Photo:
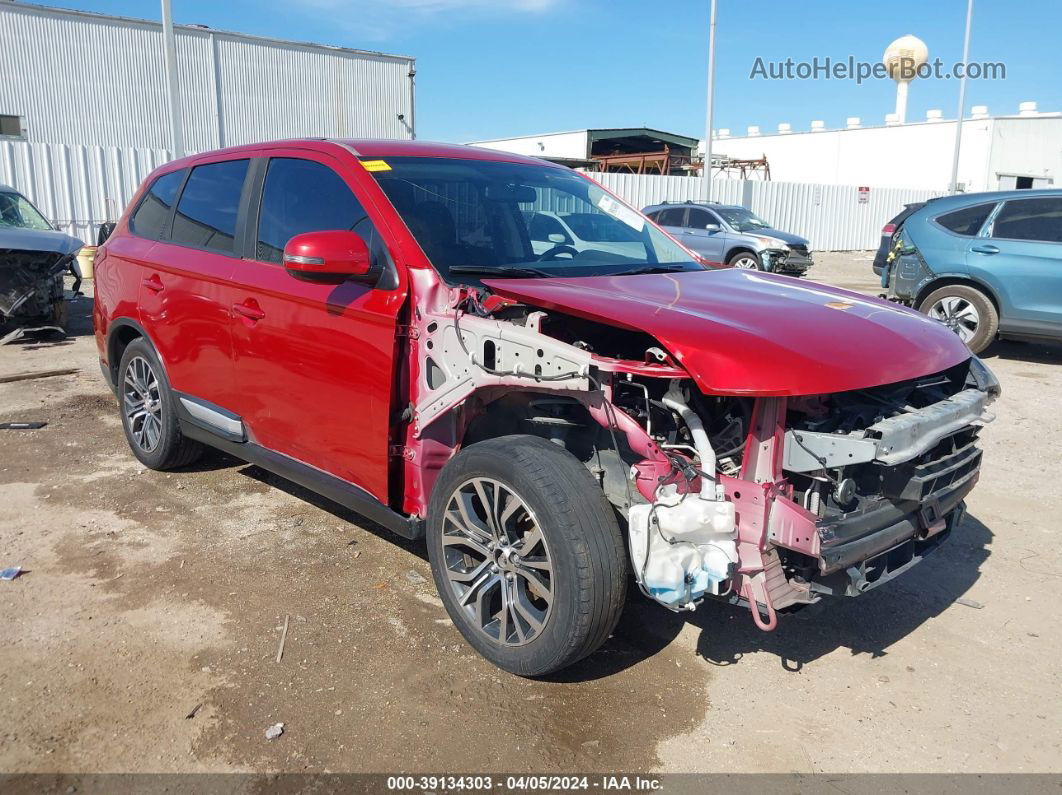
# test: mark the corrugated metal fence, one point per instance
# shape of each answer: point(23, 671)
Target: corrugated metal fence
point(80, 187)
point(77, 187)
point(830, 216)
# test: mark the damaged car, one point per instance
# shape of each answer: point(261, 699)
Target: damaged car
point(34, 258)
point(374, 321)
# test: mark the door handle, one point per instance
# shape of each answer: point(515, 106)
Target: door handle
point(249, 311)
point(985, 249)
point(154, 283)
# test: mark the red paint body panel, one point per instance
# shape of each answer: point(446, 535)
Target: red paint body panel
point(747, 333)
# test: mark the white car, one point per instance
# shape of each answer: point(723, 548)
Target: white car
point(582, 232)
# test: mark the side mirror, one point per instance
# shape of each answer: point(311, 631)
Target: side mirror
point(331, 257)
point(104, 232)
point(711, 227)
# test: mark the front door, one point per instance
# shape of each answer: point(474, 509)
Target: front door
point(314, 362)
point(706, 235)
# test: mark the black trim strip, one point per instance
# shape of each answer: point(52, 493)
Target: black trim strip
point(339, 491)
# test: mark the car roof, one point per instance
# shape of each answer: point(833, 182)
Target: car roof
point(706, 205)
point(957, 201)
point(373, 147)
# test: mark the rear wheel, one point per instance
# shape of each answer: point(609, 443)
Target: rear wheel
point(526, 554)
point(965, 310)
point(745, 261)
point(148, 412)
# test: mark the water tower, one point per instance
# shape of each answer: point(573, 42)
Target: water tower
point(903, 58)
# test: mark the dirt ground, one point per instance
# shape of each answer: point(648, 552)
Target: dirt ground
point(143, 633)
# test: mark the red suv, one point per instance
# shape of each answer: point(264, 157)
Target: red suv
point(387, 324)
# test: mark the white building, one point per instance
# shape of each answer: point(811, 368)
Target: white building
point(84, 113)
point(997, 152)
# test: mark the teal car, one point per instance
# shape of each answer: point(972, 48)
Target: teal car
point(987, 265)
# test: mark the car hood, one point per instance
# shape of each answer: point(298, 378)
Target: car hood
point(28, 258)
point(45, 240)
point(748, 333)
point(785, 237)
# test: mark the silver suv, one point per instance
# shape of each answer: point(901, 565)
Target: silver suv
point(732, 235)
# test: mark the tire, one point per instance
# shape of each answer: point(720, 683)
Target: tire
point(152, 430)
point(578, 556)
point(965, 310)
point(745, 261)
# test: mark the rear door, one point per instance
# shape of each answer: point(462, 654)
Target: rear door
point(184, 301)
point(315, 362)
point(1022, 254)
point(673, 219)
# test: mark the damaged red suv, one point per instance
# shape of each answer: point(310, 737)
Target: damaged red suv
point(405, 329)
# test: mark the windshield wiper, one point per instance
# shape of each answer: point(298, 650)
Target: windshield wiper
point(496, 270)
point(658, 268)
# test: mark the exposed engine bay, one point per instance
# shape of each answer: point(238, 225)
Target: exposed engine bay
point(770, 501)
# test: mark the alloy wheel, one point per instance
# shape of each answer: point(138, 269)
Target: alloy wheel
point(745, 262)
point(497, 562)
point(142, 404)
point(958, 314)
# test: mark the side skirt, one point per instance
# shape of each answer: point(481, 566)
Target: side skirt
point(335, 489)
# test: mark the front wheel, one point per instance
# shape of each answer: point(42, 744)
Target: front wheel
point(966, 311)
point(526, 554)
point(745, 261)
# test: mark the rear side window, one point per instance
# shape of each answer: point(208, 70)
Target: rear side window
point(304, 196)
point(967, 221)
point(152, 217)
point(1030, 219)
point(209, 204)
point(674, 216)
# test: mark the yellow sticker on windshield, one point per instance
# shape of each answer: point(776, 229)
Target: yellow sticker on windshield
point(376, 165)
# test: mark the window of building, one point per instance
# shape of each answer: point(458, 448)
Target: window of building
point(1030, 219)
point(152, 217)
point(12, 127)
point(209, 205)
point(967, 221)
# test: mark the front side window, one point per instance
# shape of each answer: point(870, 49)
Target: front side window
point(209, 205)
point(542, 226)
point(967, 221)
point(471, 217)
point(699, 219)
point(1030, 219)
point(305, 196)
point(152, 217)
point(742, 220)
point(16, 211)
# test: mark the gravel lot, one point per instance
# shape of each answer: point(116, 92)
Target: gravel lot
point(143, 635)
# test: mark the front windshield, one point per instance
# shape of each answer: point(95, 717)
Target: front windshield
point(741, 219)
point(15, 210)
point(480, 218)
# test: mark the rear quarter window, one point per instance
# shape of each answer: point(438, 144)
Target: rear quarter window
point(966, 222)
point(152, 217)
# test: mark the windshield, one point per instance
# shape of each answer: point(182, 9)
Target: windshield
point(15, 210)
point(741, 219)
point(480, 217)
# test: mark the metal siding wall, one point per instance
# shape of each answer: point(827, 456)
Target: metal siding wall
point(830, 216)
point(91, 80)
point(77, 187)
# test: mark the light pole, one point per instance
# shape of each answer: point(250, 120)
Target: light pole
point(954, 187)
point(172, 87)
point(708, 118)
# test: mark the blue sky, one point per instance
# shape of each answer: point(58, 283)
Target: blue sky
point(492, 68)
